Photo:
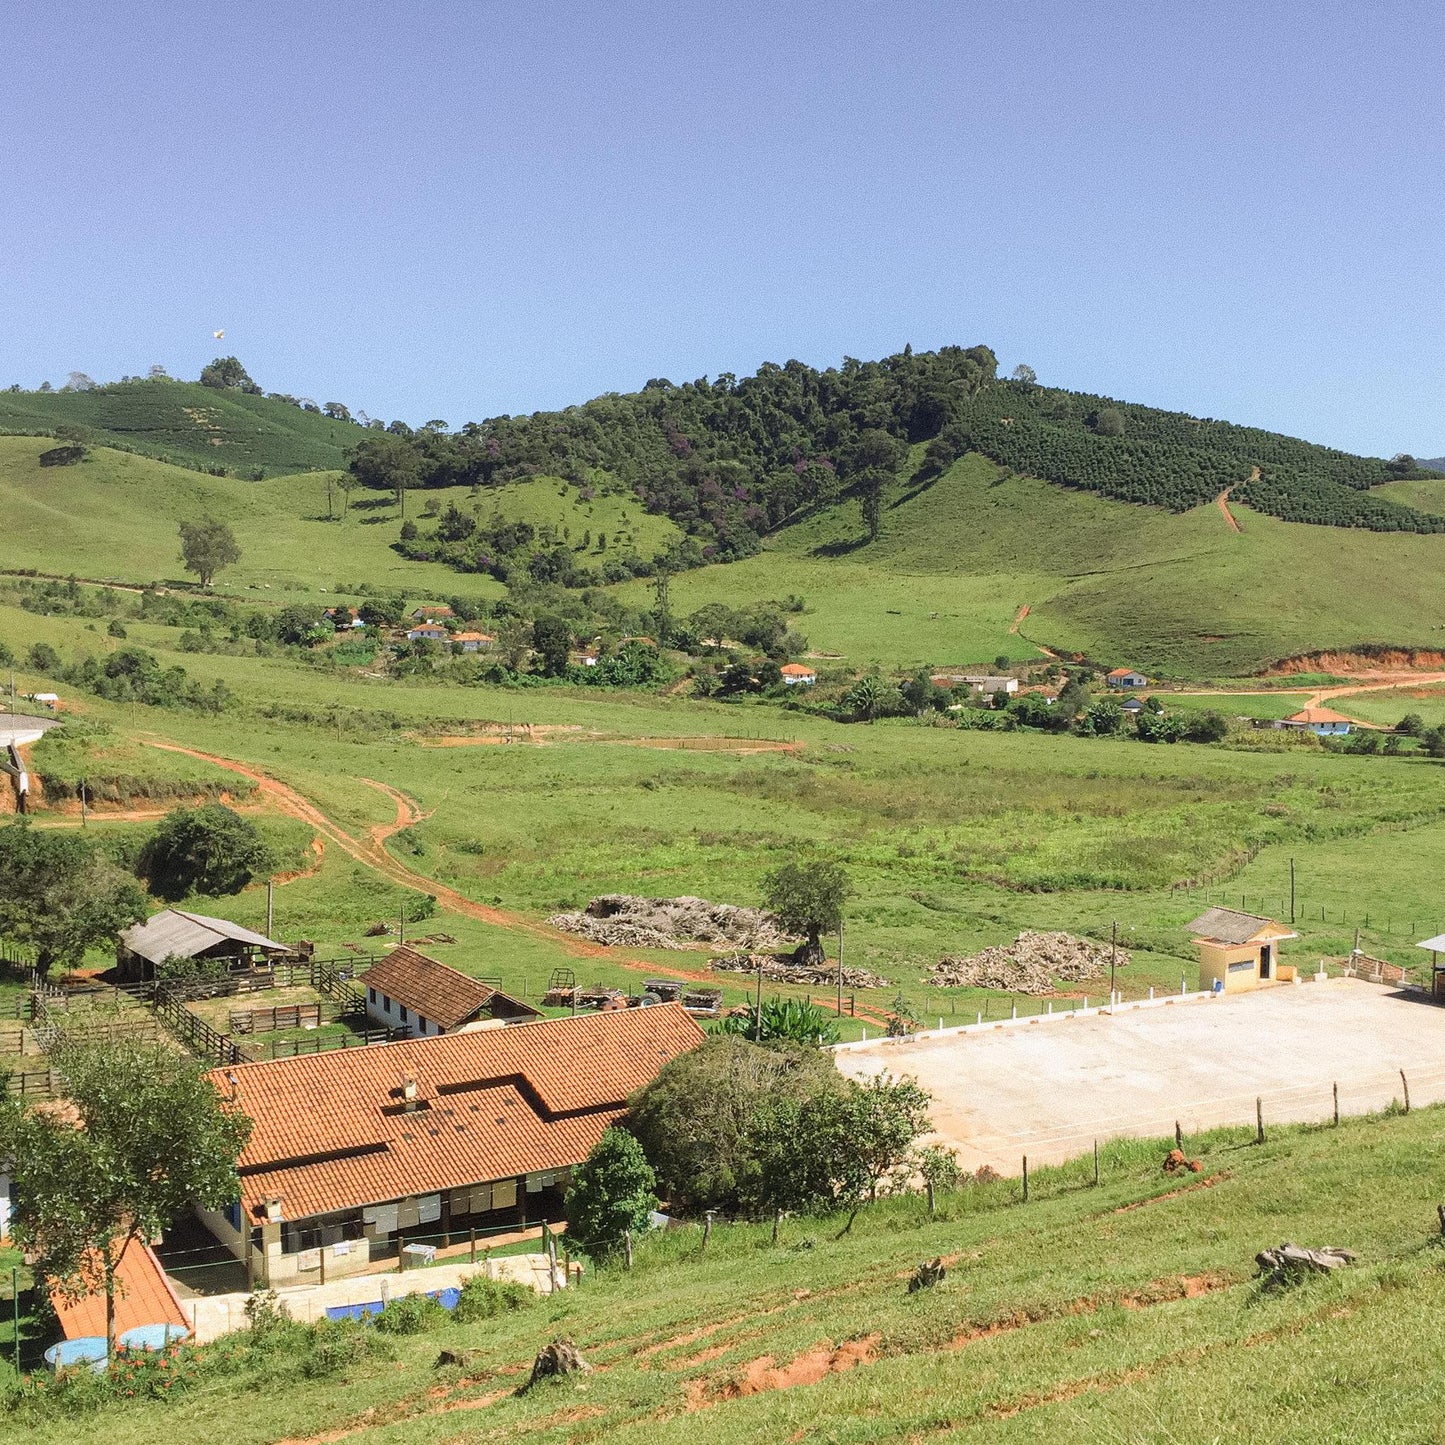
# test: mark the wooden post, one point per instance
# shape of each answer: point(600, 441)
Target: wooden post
point(1337, 1106)
point(1258, 1120)
point(472, 1243)
point(1096, 1163)
point(1026, 1178)
point(1178, 1137)
point(777, 1224)
point(627, 1249)
point(707, 1226)
point(1405, 1084)
point(1440, 1210)
point(321, 1254)
point(929, 1184)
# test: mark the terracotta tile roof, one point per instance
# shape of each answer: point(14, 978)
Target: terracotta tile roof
point(330, 1131)
point(441, 994)
point(144, 1297)
point(1317, 715)
point(1125, 672)
point(473, 637)
point(796, 669)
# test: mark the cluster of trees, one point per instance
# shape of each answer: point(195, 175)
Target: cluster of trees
point(726, 459)
point(749, 1130)
point(132, 674)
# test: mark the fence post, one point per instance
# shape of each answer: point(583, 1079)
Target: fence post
point(1440, 1210)
point(1405, 1084)
point(1178, 1137)
point(777, 1224)
point(1258, 1119)
point(1337, 1105)
point(707, 1226)
point(627, 1249)
point(1096, 1163)
point(1026, 1178)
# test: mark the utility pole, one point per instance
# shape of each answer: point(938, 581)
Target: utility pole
point(840, 965)
point(83, 808)
point(758, 1019)
point(270, 907)
point(1113, 957)
point(1291, 890)
point(401, 928)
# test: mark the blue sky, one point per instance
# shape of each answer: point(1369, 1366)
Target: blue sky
point(455, 210)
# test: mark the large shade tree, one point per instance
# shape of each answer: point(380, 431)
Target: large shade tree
point(206, 547)
point(210, 849)
point(807, 899)
point(153, 1138)
point(60, 895)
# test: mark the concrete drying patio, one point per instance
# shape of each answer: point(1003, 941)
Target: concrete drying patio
point(1049, 1088)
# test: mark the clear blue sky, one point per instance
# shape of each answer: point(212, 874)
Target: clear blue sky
point(459, 209)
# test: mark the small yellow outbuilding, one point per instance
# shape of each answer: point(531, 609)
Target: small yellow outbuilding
point(1239, 951)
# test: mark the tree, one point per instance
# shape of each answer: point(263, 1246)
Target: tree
point(870, 500)
point(1025, 373)
point(209, 849)
point(386, 463)
point(865, 698)
point(155, 1139)
point(1109, 422)
point(611, 1195)
point(337, 411)
point(695, 1119)
point(226, 373)
point(551, 637)
point(60, 895)
point(807, 899)
point(1433, 741)
point(382, 611)
point(78, 381)
point(206, 547)
point(1412, 725)
point(43, 658)
point(1102, 718)
point(1207, 727)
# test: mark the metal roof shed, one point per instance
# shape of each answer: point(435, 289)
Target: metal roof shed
point(172, 933)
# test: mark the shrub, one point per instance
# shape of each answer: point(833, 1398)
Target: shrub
point(412, 1314)
point(338, 1344)
point(481, 1298)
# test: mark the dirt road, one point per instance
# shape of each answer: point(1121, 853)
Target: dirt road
point(1222, 502)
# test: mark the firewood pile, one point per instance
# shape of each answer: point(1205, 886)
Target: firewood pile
point(782, 970)
point(623, 920)
point(1030, 964)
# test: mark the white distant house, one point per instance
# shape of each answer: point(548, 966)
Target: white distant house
point(987, 685)
point(796, 675)
point(45, 699)
point(1320, 721)
point(1126, 677)
point(427, 632)
point(473, 641)
point(1132, 706)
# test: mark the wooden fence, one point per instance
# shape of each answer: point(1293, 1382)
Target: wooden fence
point(323, 1043)
point(33, 1084)
point(267, 1020)
point(195, 1033)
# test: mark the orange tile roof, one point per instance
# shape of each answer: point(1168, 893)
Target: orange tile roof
point(796, 669)
point(473, 637)
point(1317, 715)
point(330, 1132)
point(1125, 672)
point(144, 1297)
point(444, 995)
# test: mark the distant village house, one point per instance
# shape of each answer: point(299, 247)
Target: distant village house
point(1320, 721)
point(1239, 951)
point(427, 632)
point(796, 675)
point(473, 641)
point(1126, 677)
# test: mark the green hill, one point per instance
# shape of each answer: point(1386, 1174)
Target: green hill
point(1124, 1312)
point(188, 424)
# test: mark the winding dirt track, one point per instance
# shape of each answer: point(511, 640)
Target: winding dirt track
point(372, 854)
point(1222, 502)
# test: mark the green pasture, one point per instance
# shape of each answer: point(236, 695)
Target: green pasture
point(1126, 1311)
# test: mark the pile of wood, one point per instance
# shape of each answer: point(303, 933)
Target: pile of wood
point(620, 919)
point(783, 970)
point(1030, 964)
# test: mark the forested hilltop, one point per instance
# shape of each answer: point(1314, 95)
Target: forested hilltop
point(731, 459)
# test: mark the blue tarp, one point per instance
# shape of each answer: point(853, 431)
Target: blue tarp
point(447, 1298)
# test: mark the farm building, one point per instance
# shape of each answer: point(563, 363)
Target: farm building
point(408, 990)
point(1126, 677)
point(1132, 706)
point(174, 934)
point(430, 612)
point(1321, 721)
point(342, 618)
point(427, 632)
point(354, 1152)
point(473, 641)
point(796, 675)
point(1239, 951)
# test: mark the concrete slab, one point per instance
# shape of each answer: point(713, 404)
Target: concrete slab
point(1048, 1089)
point(21, 730)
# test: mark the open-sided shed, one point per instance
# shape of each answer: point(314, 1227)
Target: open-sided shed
point(173, 933)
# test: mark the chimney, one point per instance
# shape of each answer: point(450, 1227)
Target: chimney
point(408, 1091)
point(271, 1206)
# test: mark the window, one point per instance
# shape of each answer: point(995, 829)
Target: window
point(403, 1013)
point(421, 1023)
point(371, 995)
point(385, 1003)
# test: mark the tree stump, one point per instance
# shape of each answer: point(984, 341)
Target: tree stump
point(929, 1273)
point(561, 1357)
point(1289, 1263)
point(463, 1359)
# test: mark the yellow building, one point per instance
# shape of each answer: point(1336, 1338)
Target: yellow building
point(1239, 951)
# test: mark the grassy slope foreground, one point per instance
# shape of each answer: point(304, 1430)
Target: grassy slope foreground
point(1123, 1313)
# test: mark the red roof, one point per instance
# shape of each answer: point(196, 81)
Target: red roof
point(1125, 672)
point(1317, 715)
point(444, 995)
point(144, 1296)
point(796, 669)
point(332, 1130)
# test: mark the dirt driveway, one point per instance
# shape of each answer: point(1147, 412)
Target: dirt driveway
point(1049, 1089)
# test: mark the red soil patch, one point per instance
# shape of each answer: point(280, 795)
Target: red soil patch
point(1174, 1193)
point(762, 1375)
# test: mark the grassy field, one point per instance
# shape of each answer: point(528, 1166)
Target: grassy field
point(1123, 1312)
point(1177, 595)
point(193, 425)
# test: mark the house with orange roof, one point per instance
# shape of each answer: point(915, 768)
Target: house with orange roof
point(355, 1152)
point(1126, 677)
point(1323, 722)
point(422, 614)
point(796, 675)
point(144, 1297)
point(473, 641)
point(407, 990)
point(427, 632)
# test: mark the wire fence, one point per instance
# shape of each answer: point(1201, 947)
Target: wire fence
point(1401, 923)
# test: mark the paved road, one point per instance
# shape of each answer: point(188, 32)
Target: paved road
point(1049, 1089)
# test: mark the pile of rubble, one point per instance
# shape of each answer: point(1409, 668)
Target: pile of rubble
point(620, 919)
point(782, 970)
point(1030, 964)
